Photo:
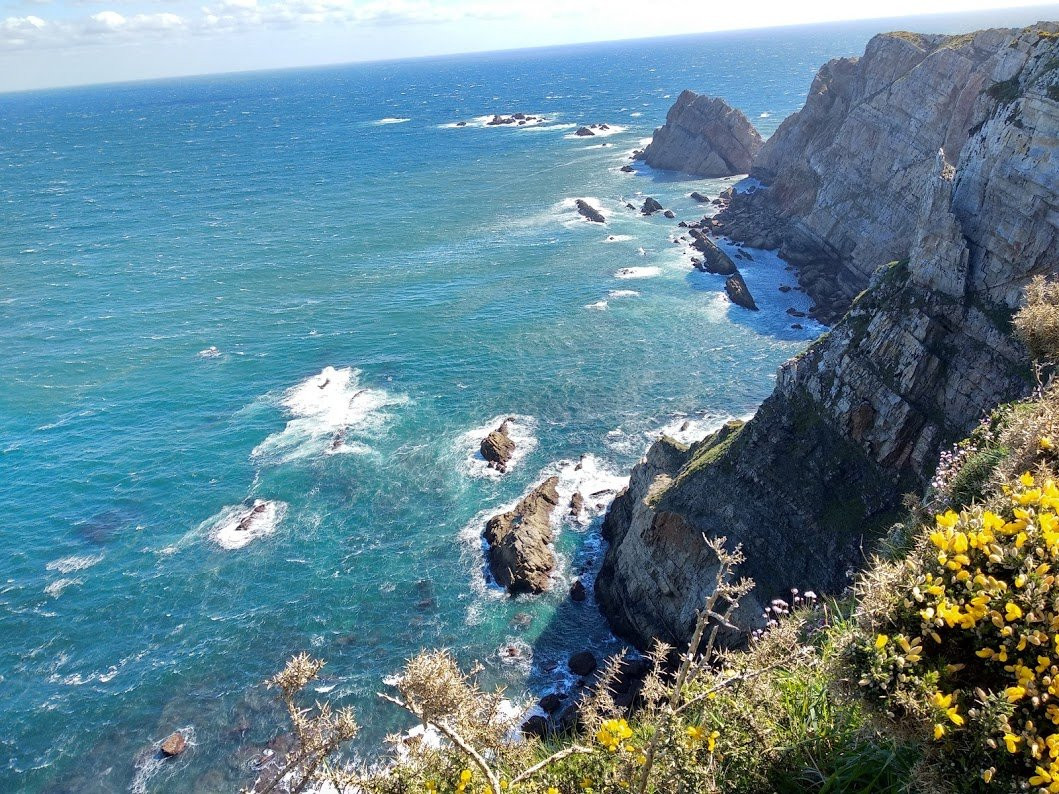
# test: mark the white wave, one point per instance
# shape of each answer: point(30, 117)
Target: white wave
point(482, 122)
point(636, 114)
point(520, 431)
point(326, 410)
point(209, 352)
point(590, 477)
point(618, 238)
point(389, 120)
point(688, 430)
point(623, 293)
point(76, 562)
point(612, 129)
point(516, 653)
point(55, 589)
point(599, 306)
point(637, 272)
point(764, 115)
point(237, 525)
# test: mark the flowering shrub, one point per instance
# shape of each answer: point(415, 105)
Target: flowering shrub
point(972, 650)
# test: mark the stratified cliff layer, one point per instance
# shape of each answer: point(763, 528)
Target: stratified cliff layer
point(704, 136)
point(942, 153)
point(845, 176)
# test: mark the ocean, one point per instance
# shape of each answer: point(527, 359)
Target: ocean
point(312, 287)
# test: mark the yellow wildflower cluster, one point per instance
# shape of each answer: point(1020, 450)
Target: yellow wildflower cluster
point(612, 733)
point(984, 585)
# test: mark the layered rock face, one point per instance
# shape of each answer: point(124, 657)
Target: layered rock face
point(859, 419)
point(845, 176)
point(704, 136)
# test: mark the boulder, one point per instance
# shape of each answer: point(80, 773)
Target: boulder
point(704, 136)
point(650, 205)
point(714, 259)
point(589, 212)
point(174, 744)
point(795, 313)
point(628, 169)
point(577, 591)
point(461, 123)
point(582, 663)
point(738, 291)
point(577, 504)
point(669, 214)
point(584, 132)
point(551, 702)
point(520, 555)
point(497, 447)
point(699, 197)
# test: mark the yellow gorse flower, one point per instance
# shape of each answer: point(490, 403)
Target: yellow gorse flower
point(612, 733)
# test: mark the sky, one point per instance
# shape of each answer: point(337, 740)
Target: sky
point(46, 43)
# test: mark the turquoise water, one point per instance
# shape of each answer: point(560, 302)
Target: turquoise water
point(443, 275)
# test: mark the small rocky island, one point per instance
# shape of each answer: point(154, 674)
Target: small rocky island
point(497, 448)
point(517, 119)
point(521, 558)
point(704, 136)
point(589, 212)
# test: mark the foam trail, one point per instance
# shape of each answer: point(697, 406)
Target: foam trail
point(637, 272)
point(326, 410)
point(599, 306)
point(237, 525)
point(389, 120)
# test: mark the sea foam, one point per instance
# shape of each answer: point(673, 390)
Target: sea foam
point(237, 525)
point(521, 431)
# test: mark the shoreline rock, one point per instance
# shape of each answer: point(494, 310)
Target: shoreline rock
point(498, 448)
point(589, 212)
point(520, 555)
point(738, 292)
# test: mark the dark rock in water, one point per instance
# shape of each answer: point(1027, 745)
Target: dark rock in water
point(586, 210)
point(604, 127)
point(669, 214)
point(738, 291)
point(628, 169)
point(520, 557)
point(795, 313)
point(797, 326)
point(629, 206)
point(461, 123)
point(497, 447)
point(174, 744)
point(650, 205)
point(637, 154)
point(518, 116)
point(683, 225)
point(582, 663)
point(577, 591)
point(785, 288)
point(569, 719)
point(699, 197)
point(714, 259)
point(577, 503)
point(551, 702)
point(584, 132)
point(535, 726)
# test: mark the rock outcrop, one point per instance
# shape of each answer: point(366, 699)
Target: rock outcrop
point(845, 177)
point(521, 558)
point(941, 153)
point(498, 448)
point(587, 211)
point(650, 206)
point(739, 292)
point(704, 136)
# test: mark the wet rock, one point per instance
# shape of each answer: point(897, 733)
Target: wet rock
point(582, 663)
point(577, 504)
point(551, 702)
point(584, 132)
point(497, 447)
point(174, 744)
point(577, 591)
point(461, 123)
point(699, 197)
point(586, 210)
point(520, 557)
point(628, 169)
point(650, 206)
point(669, 214)
point(714, 260)
point(738, 292)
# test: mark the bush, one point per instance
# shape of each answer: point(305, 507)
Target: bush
point(1037, 323)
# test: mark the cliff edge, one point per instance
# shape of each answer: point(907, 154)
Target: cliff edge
point(940, 156)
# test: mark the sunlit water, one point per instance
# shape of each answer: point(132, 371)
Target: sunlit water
point(310, 288)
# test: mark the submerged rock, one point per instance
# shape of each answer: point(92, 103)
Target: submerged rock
point(520, 555)
point(586, 210)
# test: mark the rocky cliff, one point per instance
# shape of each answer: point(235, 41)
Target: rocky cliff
point(943, 154)
point(704, 136)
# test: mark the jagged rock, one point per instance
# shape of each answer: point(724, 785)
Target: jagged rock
point(577, 503)
point(699, 197)
point(520, 555)
point(588, 211)
point(797, 326)
point(650, 206)
point(551, 702)
point(497, 447)
point(174, 744)
point(584, 132)
point(669, 214)
point(795, 313)
point(738, 291)
point(858, 419)
point(785, 287)
point(577, 591)
point(628, 169)
point(704, 136)
point(714, 260)
point(582, 663)
point(461, 123)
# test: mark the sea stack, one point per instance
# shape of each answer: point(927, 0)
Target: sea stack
point(589, 212)
point(704, 136)
point(520, 554)
point(497, 447)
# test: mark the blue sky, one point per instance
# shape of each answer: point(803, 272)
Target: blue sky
point(67, 42)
